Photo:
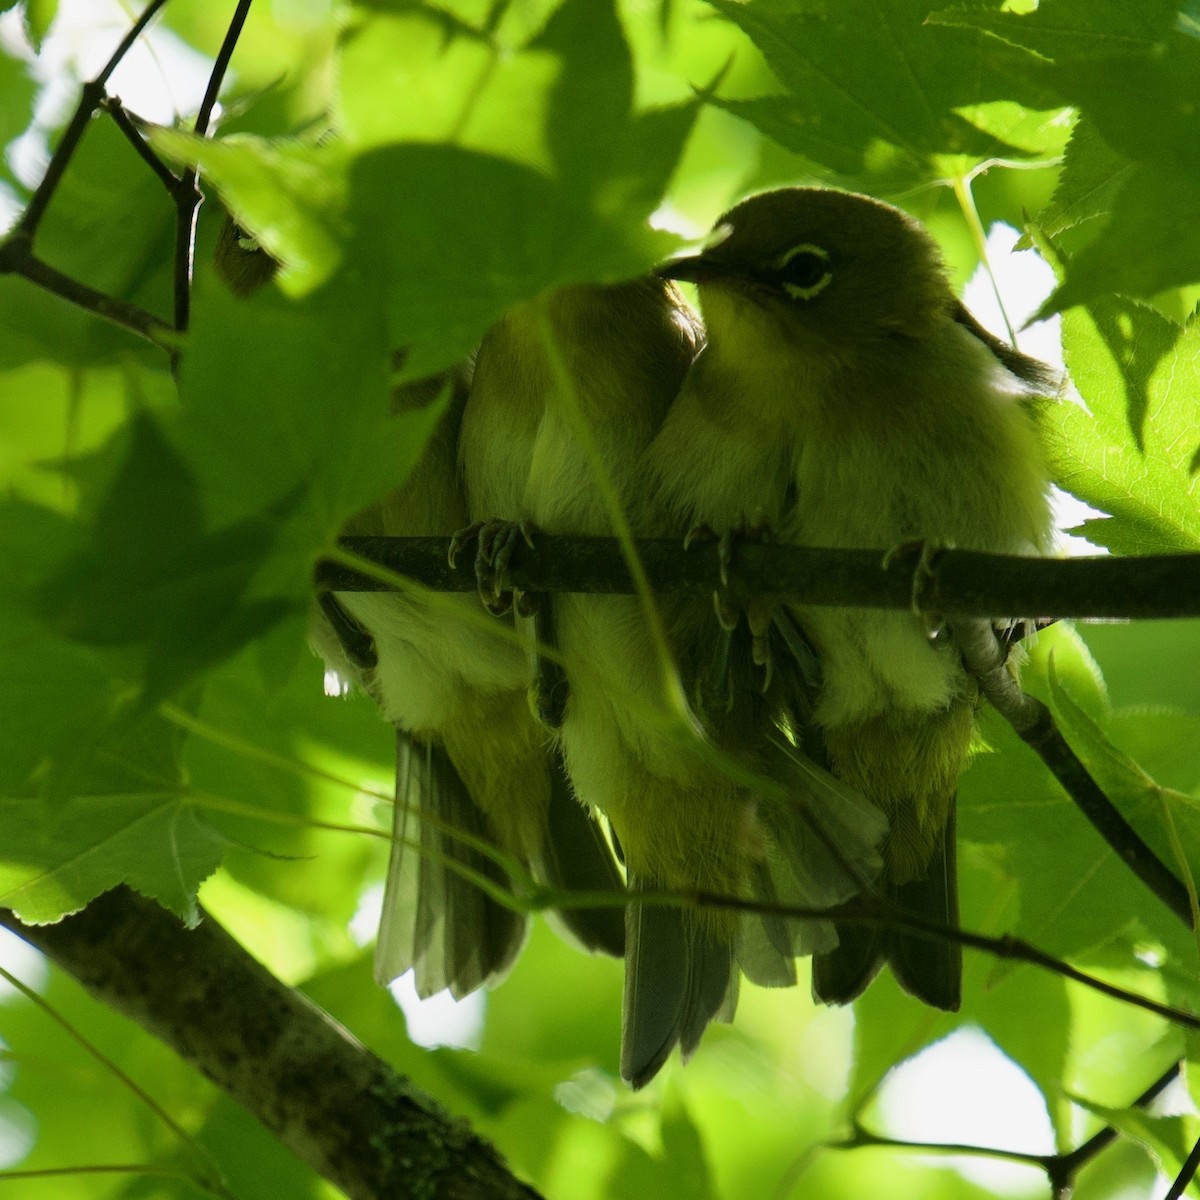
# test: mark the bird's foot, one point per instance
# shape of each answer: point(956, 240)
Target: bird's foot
point(926, 551)
point(495, 542)
point(729, 607)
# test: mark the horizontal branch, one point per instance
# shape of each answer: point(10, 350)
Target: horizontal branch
point(947, 582)
point(336, 1106)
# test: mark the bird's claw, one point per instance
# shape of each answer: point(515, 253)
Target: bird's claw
point(757, 529)
point(759, 617)
point(728, 607)
point(495, 542)
point(459, 541)
point(928, 551)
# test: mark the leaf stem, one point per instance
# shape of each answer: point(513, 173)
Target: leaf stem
point(133, 135)
point(966, 203)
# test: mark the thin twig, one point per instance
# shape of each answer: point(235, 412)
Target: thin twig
point(1060, 1169)
point(188, 195)
point(208, 1175)
point(133, 135)
point(1186, 1174)
point(89, 101)
point(17, 258)
point(984, 656)
point(1063, 1168)
point(867, 911)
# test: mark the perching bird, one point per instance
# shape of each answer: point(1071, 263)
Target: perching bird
point(848, 396)
point(602, 365)
point(471, 758)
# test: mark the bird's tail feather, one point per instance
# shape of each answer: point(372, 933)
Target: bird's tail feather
point(575, 857)
point(678, 978)
point(928, 968)
point(435, 919)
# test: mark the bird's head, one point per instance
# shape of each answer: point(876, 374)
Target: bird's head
point(832, 274)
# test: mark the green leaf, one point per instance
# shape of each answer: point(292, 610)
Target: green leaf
point(860, 74)
point(17, 91)
point(270, 759)
point(1131, 455)
point(423, 75)
point(1092, 176)
point(97, 1119)
point(1150, 243)
point(592, 98)
point(1168, 1140)
point(149, 575)
point(38, 16)
point(126, 819)
point(1168, 819)
point(1076, 894)
point(288, 193)
point(1067, 30)
point(532, 234)
point(303, 421)
point(1081, 47)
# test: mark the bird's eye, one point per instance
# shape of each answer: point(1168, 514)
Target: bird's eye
point(804, 271)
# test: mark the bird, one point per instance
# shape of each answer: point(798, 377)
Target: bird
point(569, 391)
point(477, 781)
point(848, 398)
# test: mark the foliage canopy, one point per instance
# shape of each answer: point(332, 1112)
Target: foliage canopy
point(417, 168)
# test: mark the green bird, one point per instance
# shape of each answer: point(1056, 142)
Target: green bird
point(567, 389)
point(849, 398)
point(471, 758)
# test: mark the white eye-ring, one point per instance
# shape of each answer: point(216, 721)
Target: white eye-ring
point(804, 271)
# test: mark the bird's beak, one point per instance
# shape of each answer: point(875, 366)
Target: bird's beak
point(697, 268)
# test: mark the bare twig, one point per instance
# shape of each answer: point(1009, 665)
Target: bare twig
point(17, 258)
point(188, 195)
point(868, 911)
point(17, 255)
point(133, 135)
point(1061, 1169)
point(89, 101)
point(984, 656)
point(1186, 1173)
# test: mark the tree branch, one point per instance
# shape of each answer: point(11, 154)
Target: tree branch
point(867, 910)
point(984, 656)
point(336, 1106)
point(90, 99)
point(966, 585)
point(949, 583)
point(17, 258)
point(1061, 1169)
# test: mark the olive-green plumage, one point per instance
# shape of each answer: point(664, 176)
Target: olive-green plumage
point(470, 756)
point(601, 363)
point(605, 365)
point(847, 395)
